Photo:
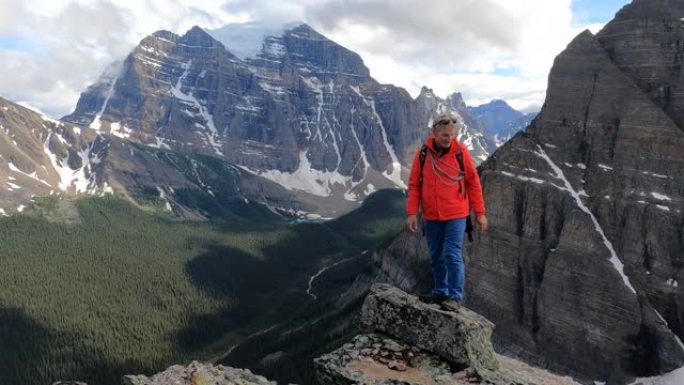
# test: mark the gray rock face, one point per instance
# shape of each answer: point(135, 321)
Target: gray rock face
point(367, 359)
point(462, 338)
point(377, 359)
point(304, 112)
point(41, 157)
point(645, 41)
point(198, 373)
point(583, 258)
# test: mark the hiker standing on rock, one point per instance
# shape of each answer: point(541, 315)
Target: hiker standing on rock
point(444, 183)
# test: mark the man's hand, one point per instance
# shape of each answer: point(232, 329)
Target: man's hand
point(412, 223)
point(482, 223)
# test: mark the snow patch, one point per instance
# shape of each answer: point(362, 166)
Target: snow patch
point(605, 167)
point(271, 89)
point(524, 178)
point(369, 189)
point(664, 208)
point(351, 196)
point(32, 175)
point(660, 196)
point(120, 131)
point(661, 176)
point(306, 178)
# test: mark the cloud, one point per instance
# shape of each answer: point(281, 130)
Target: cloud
point(66, 45)
point(50, 51)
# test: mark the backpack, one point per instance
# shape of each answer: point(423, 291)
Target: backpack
point(459, 159)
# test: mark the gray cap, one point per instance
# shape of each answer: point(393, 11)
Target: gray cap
point(444, 115)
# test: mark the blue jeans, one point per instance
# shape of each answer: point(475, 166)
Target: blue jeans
point(445, 239)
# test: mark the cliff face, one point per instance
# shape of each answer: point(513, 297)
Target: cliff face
point(585, 253)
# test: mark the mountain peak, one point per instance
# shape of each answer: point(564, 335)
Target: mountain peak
point(196, 36)
point(584, 39)
point(304, 29)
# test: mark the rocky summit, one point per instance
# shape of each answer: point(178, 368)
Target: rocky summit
point(408, 342)
point(198, 374)
point(584, 256)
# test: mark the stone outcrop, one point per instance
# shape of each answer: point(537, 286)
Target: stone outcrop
point(197, 374)
point(413, 343)
point(462, 338)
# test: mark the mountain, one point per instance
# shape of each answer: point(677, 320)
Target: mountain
point(584, 255)
point(42, 157)
point(303, 112)
point(500, 120)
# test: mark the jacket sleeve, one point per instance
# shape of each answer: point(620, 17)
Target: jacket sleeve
point(413, 200)
point(475, 196)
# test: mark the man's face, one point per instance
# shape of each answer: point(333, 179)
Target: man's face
point(444, 133)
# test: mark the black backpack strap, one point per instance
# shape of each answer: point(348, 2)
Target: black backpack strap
point(421, 158)
point(459, 159)
point(469, 222)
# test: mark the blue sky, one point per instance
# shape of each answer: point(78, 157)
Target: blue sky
point(51, 50)
point(596, 11)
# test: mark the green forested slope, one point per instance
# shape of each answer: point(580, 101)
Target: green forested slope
point(116, 290)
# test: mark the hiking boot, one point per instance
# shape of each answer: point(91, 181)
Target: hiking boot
point(431, 298)
point(449, 305)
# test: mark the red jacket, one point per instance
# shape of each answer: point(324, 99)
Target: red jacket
point(439, 197)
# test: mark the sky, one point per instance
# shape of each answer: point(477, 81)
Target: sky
point(51, 50)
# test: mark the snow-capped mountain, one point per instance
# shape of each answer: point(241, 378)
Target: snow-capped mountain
point(303, 111)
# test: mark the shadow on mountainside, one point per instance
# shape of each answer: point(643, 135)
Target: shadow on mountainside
point(259, 290)
point(32, 354)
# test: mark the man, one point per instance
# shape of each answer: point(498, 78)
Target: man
point(446, 195)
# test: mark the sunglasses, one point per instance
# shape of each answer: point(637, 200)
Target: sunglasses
point(444, 122)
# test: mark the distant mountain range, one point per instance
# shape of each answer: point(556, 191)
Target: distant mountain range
point(501, 121)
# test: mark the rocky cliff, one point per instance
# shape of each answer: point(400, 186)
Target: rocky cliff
point(585, 253)
point(197, 373)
